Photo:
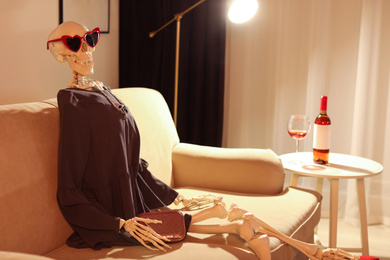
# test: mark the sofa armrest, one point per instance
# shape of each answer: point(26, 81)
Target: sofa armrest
point(254, 171)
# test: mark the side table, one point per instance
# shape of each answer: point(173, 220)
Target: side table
point(341, 166)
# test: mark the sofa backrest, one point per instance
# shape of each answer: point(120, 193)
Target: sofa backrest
point(155, 124)
point(30, 220)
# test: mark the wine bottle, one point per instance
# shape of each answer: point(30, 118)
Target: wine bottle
point(321, 135)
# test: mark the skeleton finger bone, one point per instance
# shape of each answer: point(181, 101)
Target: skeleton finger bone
point(179, 199)
point(146, 229)
point(156, 242)
point(141, 239)
point(145, 234)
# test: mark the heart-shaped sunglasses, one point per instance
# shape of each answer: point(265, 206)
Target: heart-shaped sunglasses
point(73, 43)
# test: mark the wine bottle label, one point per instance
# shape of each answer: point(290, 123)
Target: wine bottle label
point(321, 137)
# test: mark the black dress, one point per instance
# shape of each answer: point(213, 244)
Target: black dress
point(101, 177)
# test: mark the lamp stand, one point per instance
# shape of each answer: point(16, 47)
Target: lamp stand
point(177, 18)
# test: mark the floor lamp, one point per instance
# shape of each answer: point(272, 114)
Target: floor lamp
point(240, 11)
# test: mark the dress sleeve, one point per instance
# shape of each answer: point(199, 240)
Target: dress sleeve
point(155, 192)
point(90, 221)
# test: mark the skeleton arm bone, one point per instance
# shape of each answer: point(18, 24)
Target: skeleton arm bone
point(121, 223)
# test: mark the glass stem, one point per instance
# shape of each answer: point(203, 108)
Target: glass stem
point(297, 146)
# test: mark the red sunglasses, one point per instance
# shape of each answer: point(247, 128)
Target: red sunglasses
point(73, 43)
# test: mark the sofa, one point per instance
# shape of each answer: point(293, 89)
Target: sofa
point(32, 227)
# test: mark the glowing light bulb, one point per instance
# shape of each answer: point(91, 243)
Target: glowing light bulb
point(242, 10)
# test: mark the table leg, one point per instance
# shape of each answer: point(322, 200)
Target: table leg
point(319, 184)
point(363, 215)
point(294, 179)
point(334, 196)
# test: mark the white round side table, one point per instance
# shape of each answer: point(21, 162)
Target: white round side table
point(341, 166)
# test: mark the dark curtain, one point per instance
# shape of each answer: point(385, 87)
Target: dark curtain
point(150, 62)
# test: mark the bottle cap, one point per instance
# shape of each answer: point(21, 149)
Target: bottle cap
point(324, 102)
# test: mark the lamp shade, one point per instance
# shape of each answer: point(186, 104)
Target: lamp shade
point(242, 10)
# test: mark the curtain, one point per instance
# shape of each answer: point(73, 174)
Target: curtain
point(150, 62)
point(292, 53)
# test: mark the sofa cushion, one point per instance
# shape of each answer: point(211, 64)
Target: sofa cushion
point(4, 255)
point(283, 213)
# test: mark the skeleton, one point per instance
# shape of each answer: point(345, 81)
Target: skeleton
point(251, 229)
point(81, 62)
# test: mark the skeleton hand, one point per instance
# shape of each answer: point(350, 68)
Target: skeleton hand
point(145, 234)
point(179, 199)
point(197, 200)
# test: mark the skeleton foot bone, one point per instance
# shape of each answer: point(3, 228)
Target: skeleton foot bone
point(337, 254)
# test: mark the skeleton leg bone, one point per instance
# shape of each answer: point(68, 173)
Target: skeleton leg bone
point(260, 245)
point(217, 211)
point(310, 250)
point(245, 229)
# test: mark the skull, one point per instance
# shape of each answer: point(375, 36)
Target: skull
point(80, 61)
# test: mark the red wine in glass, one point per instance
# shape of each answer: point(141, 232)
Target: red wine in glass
point(297, 134)
point(298, 126)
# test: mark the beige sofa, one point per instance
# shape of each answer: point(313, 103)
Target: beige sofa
point(32, 227)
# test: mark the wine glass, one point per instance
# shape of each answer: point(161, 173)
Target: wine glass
point(298, 126)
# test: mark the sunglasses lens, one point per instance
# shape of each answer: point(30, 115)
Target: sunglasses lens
point(73, 43)
point(92, 38)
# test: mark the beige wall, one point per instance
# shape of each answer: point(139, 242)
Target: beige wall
point(28, 72)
